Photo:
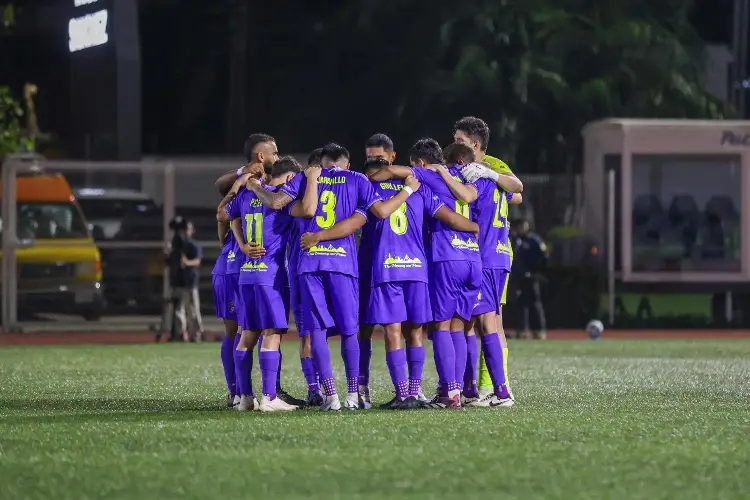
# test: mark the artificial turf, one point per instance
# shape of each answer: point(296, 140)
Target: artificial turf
point(598, 420)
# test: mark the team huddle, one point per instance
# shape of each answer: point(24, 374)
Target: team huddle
point(433, 263)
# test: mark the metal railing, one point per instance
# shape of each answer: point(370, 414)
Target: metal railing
point(43, 278)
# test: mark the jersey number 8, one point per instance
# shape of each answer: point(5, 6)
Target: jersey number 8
point(398, 220)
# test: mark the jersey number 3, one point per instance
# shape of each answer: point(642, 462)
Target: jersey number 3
point(328, 206)
point(254, 228)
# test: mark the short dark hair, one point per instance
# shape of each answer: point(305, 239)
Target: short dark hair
point(284, 165)
point(380, 141)
point(316, 155)
point(427, 149)
point(252, 142)
point(458, 153)
point(474, 127)
point(334, 152)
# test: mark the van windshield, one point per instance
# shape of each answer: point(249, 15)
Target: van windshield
point(44, 221)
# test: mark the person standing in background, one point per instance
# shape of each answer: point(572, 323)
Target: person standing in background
point(530, 261)
point(189, 306)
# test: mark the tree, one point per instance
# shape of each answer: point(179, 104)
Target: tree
point(10, 123)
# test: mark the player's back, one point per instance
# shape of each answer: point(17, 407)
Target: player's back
point(447, 244)
point(396, 243)
point(269, 229)
point(340, 194)
point(490, 212)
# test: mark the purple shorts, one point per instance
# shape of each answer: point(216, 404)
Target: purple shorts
point(365, 290)
point(454, 289)
point(492, 291)
point(263, 306)
point(329, 300)
point(397, 302)
point(225, 292)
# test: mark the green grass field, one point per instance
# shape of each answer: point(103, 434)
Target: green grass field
point(593, 420)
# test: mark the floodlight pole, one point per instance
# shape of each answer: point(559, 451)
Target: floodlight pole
point(611, 244)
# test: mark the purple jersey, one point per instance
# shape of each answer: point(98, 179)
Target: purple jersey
point(234, 256)
point(490, 211)
point(396, 244)
point(267, 228)
point(220, 268)
point(447, 244)
point(341, 193)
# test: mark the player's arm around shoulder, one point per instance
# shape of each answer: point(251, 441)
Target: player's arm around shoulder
point(456, 221)
point(309, 204)
point(342, 229)
point(383, 209)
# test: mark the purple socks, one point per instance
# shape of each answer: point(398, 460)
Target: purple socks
point(365, 354)
point(227, 361)
point(311, 376)
point(472, 367)
point(445, 360)
point(459, 347)
point(322, 355)
point(278, 371)
point(269, 369)
point(243, 365)
point(350, 353)
point(236, 342)
point(396, 362)
point(493, 355)
point(415, 357)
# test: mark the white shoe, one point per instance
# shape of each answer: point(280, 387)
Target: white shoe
point(468, 401)
point(501, 403)
point(247, 403)
point(331, 403)
point(483, 393)
point(276, 404)
point(236, 400)
point(363, 397)
point(421, 397)
point(482, 402)
point(352, 403)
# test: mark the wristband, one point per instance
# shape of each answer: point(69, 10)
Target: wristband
point(493, 175)
point(409, 190)
point(240, 171)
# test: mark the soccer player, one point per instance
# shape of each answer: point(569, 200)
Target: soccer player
point(260, 150)
point(263, 283)
point(490, 211)
point(224, 278)
point(399, 299)
point(475, 133)
point(328, 274)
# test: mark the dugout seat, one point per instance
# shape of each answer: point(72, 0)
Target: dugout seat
point(720, 228)
point(648, 220)
point(684, 221)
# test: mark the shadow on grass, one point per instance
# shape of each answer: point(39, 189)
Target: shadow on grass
point(102, 409)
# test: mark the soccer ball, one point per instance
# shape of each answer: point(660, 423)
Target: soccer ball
point(595, 328)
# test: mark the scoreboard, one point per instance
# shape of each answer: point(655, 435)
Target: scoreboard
point(105, 71)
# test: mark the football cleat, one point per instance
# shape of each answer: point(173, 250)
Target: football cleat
point(364, 402)
point(290, 400)
point(314, 398)
point(498, 402)
point(276, 404)
point(247, 403)
point(331, 403)
point(351, 403)
point(445, 403)
point(410, 403)
point(482, 402)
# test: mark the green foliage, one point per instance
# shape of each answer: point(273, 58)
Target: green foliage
point(538, 71)
point(11, 132)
